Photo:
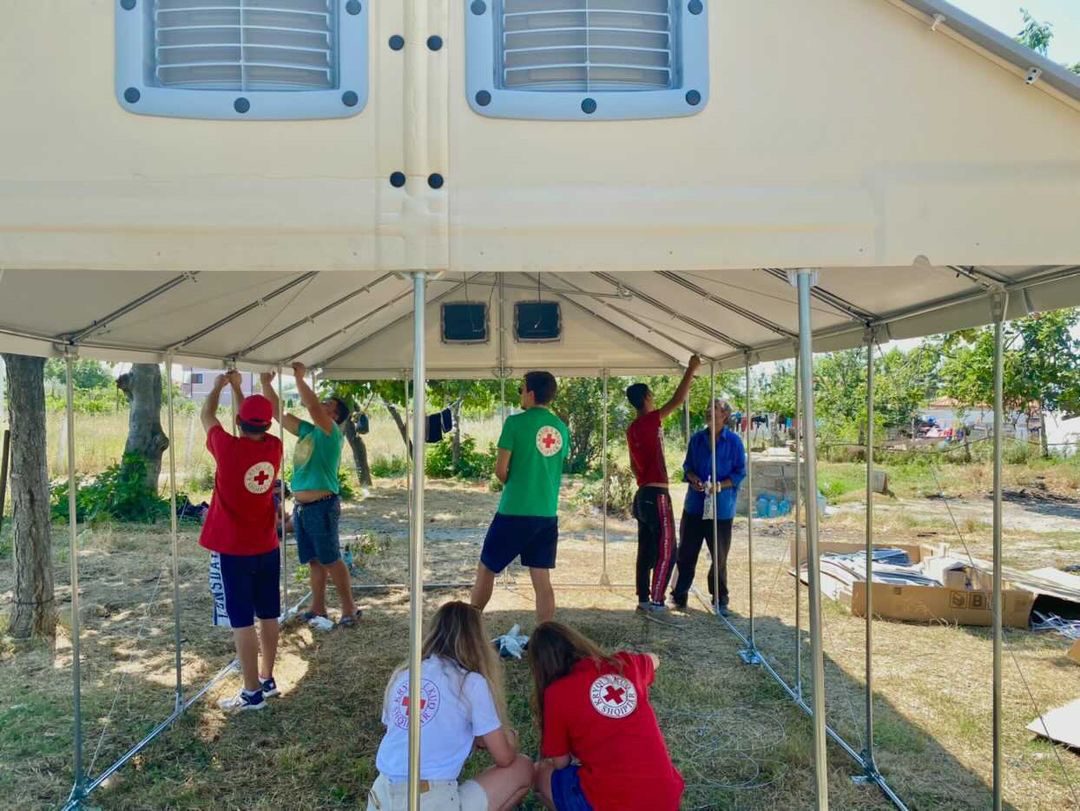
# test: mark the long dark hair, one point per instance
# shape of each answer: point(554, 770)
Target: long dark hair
point(554, 649)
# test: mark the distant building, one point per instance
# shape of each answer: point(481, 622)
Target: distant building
point(198, 383)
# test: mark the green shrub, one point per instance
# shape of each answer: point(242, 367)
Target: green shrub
point(119, 493)
point(388, 467)
point(346, 485)
point(471, 464)
point(621, 489)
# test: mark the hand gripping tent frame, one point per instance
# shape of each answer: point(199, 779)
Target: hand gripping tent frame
point(343, 238)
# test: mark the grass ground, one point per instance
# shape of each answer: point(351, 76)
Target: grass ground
point(735, 738)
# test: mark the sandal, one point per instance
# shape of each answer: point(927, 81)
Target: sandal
point(307, 616)
point(349, 622)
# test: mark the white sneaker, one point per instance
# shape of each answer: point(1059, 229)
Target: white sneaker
point(269, 687)
point(243, 701)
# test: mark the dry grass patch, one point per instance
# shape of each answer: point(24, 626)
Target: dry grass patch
point(737, 740)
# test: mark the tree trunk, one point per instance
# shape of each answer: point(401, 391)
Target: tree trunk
point(1044, 440)
point(455, 448)
point(359, 452)
point(142, 387)
point(400, 424)
point(34, 610)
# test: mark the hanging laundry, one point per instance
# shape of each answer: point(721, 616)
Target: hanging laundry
point(439, 424)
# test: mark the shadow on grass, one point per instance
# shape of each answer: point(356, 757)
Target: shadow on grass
point(736, 738)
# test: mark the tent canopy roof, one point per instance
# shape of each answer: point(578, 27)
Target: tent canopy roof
point(359, 325)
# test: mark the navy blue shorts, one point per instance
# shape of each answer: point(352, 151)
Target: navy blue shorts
point(566, 790)
point(316, 529)
point(534, 538)
point(245, 587)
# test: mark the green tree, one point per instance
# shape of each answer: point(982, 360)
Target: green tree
point(776, 392)
point(905, 381)
point(468, 397)
point(1035, 35)
point(1038, 36)
point(85, 373)
point(1042, 365)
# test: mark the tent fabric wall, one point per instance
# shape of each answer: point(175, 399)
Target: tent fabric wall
point(358, 325)
point(838, 133)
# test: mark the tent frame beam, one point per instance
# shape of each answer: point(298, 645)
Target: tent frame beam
point(310, 318)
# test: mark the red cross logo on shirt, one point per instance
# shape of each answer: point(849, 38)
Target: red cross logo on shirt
point(405, 704)
point(549, 440)
point(614, 695)
point(259, 477)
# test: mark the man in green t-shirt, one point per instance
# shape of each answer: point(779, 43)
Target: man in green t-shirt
point(315, 490)
point(532, 448)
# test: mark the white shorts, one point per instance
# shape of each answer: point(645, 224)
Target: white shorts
point(436, 795)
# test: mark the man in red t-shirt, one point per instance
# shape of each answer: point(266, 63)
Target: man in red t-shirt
point(652, 502)
point(240, 532)
point(599, 713)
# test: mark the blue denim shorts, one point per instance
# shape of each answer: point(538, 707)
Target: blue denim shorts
point(316, 528)
point(566, 790)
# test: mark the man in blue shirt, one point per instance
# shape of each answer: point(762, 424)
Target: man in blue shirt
point(694, 527)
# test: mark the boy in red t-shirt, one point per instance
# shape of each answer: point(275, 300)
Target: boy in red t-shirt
point(241, 534)
point(652, 502)
point(595, 708)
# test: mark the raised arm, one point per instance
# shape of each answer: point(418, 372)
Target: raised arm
point(288, 421)
point(235, 381)
point(208, 415)
point(683, 391)
point(310, 401)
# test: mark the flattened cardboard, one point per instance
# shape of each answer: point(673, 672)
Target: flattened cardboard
point(1061, 725)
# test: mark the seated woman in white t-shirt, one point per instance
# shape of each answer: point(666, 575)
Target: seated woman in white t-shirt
point(462, 705)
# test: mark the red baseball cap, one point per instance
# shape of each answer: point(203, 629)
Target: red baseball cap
point(256, 410)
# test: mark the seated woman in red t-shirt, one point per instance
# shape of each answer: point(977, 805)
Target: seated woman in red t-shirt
point(594, 709)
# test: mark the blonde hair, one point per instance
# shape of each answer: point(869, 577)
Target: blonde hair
point(457, 633)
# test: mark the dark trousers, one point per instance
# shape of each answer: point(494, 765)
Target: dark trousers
point(656, 542)
point(693, 532)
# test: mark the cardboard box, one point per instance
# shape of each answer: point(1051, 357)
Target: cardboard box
point(930, 603)
point(934, 604)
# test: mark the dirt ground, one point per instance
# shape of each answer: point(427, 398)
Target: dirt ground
point(738, 741)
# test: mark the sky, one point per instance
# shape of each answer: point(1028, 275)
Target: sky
point(1005, 16)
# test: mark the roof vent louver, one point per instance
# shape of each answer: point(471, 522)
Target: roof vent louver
point(242, 59)
point(587, 59)
point(244, 44)
point(587, 45)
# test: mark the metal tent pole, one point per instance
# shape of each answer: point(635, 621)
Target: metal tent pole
point(174, 537)
point(806, 280)
point(750, 654)
point(416, 545)
point(868, 752)
point(713, 431)
point(798, 529)
point(78, 789)
point(604, 579)
point(999, 304)
point(281, 473)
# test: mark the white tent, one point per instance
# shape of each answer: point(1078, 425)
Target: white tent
point(927, 165)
